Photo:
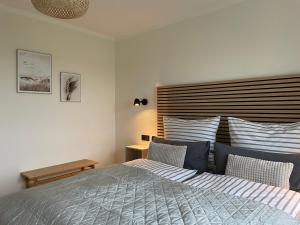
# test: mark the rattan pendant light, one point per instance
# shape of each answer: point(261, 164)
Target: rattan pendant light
point(63, 9)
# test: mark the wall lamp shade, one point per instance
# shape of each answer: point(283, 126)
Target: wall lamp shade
point(138, 102)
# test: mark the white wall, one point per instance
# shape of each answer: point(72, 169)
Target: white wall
point(255, 38)
point(38, 130)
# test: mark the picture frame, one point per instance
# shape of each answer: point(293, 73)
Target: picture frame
point(34, 72)
point(70, 87)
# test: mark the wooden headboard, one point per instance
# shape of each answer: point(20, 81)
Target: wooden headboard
point(267, 99)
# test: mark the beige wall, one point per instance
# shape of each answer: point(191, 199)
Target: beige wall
point(38, 130)
point(255, 38)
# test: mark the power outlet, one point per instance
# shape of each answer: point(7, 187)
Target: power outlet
point(145, 137)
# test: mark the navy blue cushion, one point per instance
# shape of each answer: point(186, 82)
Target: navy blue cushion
point(222, 151)
point(196, 157)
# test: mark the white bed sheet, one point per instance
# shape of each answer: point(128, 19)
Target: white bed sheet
point(167, 171)
point(283, 199)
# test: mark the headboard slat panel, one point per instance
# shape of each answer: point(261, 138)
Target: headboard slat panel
point(267, 99)
point(238, 83)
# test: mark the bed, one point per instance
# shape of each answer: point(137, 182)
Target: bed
point(149, 192)
point(130, 195)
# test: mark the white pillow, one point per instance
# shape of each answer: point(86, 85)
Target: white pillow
point(270, 137)
point(192, 130)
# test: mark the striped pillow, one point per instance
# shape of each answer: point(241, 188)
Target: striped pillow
point(169, 172)
point(168, 154)
point(262, 171)
point(269, 137)
point(192, 130)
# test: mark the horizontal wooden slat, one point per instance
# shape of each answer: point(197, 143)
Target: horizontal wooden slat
point(253, 119)
point(237, 99)
point(233, 111)
point(297, 116)
point(233, 90)
point(234, 83)
point(224, 103)
point(226, 107)
point(269, 99)
point(221, 129)
point(231, 96)
point(260, 88)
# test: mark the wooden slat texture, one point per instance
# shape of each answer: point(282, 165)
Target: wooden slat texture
point(267, 99)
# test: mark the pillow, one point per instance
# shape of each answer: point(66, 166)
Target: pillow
point(196, 153)
point(162, 169)
point(261, 171)
point(222, 151)
point(168, 154)
point(192, 130)
point(272, 137)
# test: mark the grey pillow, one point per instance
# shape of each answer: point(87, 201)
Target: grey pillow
point(222, 152)
point(261, 171)
point(168, 154)
point(196, 153)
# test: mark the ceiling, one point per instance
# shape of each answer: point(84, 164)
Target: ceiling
point(121, 18)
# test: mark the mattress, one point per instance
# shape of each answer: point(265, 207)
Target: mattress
point(130, 195)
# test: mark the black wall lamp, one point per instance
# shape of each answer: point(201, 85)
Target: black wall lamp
point(138, 102)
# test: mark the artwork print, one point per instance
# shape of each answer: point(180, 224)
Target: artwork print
point(70, 87)
point(34, 72)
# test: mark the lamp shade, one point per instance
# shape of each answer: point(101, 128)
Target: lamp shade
point(63, 9)
point(137, 102)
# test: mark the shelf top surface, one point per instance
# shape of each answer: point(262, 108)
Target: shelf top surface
point(57, 169)
point(138, 147)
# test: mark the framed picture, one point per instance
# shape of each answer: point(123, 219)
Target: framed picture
point(70, 87)
point(34, 72)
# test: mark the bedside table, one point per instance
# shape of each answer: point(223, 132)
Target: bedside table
point(136, 152)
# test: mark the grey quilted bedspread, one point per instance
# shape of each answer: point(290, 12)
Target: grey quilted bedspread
point(127, 195)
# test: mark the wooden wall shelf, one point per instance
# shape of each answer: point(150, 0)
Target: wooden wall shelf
point(57, 172)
